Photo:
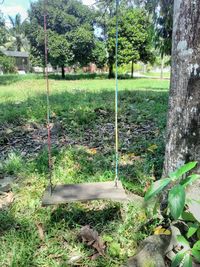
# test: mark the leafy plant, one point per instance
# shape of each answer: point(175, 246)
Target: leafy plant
point(13, 164)
point(177, 185)
point(177, 182)
point(7, 64)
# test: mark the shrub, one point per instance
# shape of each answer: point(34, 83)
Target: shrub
point(7, 64)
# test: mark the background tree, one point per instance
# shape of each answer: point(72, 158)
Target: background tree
point(99, 54)
point(7, 64)
point(70, 19)
point(3, 31)
point(161, 12)
point(59, 51)
point(105, 17)
point(82, 45)
point(17, 39)
point(134, 38)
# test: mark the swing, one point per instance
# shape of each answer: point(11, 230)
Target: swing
point(110, 190)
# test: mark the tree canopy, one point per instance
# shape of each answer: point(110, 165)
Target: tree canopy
point(162, 17)
point(134, 37)
point(17, 38)
point(70, 24)
point(3, 31)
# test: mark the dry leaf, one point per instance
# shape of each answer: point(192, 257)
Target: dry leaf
point(94, 256)
point(40, 231)
point(75, 259)
point(161, 231)
point(91, 238)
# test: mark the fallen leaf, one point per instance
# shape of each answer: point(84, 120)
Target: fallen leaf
point(152, 148)
point(40, 231)
point(91, 238)
point(161, 231)
point(75, 259)
point(94, 256)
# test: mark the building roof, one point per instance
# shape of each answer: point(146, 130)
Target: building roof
point(14, 53)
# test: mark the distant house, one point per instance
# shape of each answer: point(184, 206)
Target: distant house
point(21, 59)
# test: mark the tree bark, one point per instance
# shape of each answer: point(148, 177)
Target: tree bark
point(111, 72)
point(161, 68)
point(132, 68)
point(183, 126)
point(63, 72)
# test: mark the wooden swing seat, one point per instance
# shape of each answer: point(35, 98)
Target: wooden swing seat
point(84, 192)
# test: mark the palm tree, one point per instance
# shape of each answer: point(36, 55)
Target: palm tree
point(3, 32)
point(17, 39)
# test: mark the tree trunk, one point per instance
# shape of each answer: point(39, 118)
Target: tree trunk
point(161, 68)
point(111, 72)
point(183, 127)
point(132, 68)
point(63, 72)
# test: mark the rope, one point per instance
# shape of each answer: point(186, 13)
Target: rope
point(48, 103)
point(116, 100)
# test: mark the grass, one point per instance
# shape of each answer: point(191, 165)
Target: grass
point(157, 74)
point(85, 110)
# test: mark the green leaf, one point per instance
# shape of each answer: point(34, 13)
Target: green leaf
point(187, 262)
point(190, 179)
point(196, 254)
point(107, 238)
point(181, 239)
point(114, 249)
point(198, 233)
point(177, 259)
point(188, 217)
point(156, 207)
point(197, 245)
point(176, 200)
point(182, 170)
point(156, 188)
point(192, 230)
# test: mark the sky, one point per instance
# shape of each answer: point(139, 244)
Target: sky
point(12, 7)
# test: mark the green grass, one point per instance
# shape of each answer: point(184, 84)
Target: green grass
point(85, 110)
point(157, 74)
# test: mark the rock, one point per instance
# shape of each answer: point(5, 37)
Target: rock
point(151, 252)
point(74, 259)
point(6, 199)
point(8, 131)
point(135, 198)
point(173, 242)
point(193, 194)
point(6, 183)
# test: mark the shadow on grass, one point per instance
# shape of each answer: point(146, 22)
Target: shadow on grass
point(7, 221)
point(21, 241)
point(78, 76)
point(80, 107)
point(75, 215)
point(90, 76)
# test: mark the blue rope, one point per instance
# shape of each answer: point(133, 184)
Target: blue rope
point(116, 99)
